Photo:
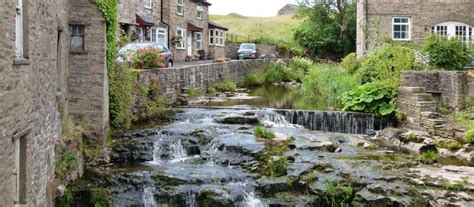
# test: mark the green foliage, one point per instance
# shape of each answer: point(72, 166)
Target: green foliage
point(193, 93)
point(69, 131)
point(277, 166)
point(272, 162)
point(412, 138)
point(301, 66)
point(457, 186)
point(378, 98)
point(309, 178)
point(325, 83)
point(449, 54)
point(211, 91)
point(100, 197)
point(67, 161)
point(261, 132)
point(386, 64)
point(225, 85)
point(450, 144)
point(428, 157)
point(67, 200)
point(154, 102)
point(337, 193)
point(253, 80)
point(279, 72)
point(327, 31)
point(469, 137)
point(148, 58)
point(350, 64)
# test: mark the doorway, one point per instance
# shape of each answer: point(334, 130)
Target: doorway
point(190, 43)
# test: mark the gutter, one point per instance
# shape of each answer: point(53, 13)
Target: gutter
point(167, 25)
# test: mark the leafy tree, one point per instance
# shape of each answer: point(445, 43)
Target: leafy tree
point(328, 29)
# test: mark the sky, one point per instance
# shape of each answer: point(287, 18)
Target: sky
point(255, 8)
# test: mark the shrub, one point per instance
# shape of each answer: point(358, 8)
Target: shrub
point(277, 166)
point(193, 93)
point(449, 54)
point(386, 63)
point(300, 66)
point(67, 160)
point(148, 57)
point(261, 132)
point(450, 144)
point(279, 72)
point(326, 83)
point(428, 157)
point(225, 85)
point(350, 64)
point(252, 80)
point(378, 98)
point(470, 136)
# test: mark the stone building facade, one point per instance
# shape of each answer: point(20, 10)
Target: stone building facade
point(412, 21)
point(42, 82)
point(289, 9)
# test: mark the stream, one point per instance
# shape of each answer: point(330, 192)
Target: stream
point(209, 156)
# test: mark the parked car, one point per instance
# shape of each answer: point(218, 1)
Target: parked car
point(247, 51)
point(125, 53)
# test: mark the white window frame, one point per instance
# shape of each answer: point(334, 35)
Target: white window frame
point(181, 32)
point(200, 12)
point(178, 6)
point(199, 45)
point(217, 36)
point(19, 46)
point(451, 31)
point(402, 24)
point(148, 4)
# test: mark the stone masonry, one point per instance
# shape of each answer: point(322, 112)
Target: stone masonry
point(374, 18)
point(35, 91)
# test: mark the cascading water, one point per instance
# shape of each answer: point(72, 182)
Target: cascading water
point(148, 197)
point(173, 149)
point(250, 200)
point(212, 152)
point(271, 118)
point(178, 153)
point(191, 199)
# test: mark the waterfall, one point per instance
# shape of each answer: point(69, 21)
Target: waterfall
point(273, 119)
point(250, 200)
point(212, 152)
point(191, 199)
point(178, 153)
point(148, 197)
point(336, 121)
point(173, 149)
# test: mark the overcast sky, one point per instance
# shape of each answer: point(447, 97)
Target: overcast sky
point(256, 8)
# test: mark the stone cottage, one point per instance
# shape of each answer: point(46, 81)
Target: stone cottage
point(52, 58)
point(412, 21)
point(217, 37)
point(182, 25)
point(289, 9)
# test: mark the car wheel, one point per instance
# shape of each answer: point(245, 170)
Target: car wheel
point(170, 64)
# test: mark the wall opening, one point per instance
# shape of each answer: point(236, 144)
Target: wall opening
point(20, 170)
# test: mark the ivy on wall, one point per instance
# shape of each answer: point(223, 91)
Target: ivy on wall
point(121, 80)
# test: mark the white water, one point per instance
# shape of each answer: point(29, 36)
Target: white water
point(191, 199)
point(148, 197)
point(176, 151)
point(270, 118)
point(250, 200)
point(212, 152)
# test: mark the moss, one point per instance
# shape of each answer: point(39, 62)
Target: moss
point(469, 137)
point(309, 178)
point(100, 197)
point(412, 138)
point(69, 131)
point(457, 186)
point(338, 193)
point(67, 161)
point(277, 166)
point(225, 85)
point(450, 144)
point(202, 139)
point(261, 132)
point(272, 161)
point(193, 93)
point(211, 91)
point(428, 157)
point(154, 103)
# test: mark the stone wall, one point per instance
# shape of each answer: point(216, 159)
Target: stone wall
point(375, 17)
point(289, 9)
point(270, 51)
point(127, 10)
point(174, 80)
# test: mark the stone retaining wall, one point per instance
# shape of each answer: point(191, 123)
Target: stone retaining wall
point(174, 80)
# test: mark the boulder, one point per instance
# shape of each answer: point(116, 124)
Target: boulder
point(238, 119)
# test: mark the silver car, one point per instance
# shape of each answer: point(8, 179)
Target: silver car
point(247, 51)
point(125, 53)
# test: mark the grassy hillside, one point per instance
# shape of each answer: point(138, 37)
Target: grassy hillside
point(277, 30)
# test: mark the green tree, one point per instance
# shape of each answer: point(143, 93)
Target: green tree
point(328, 29)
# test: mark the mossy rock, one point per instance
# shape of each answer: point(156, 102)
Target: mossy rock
point(450, 144)
point(412, 138)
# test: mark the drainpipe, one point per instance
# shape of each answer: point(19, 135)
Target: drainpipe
point(167, 25)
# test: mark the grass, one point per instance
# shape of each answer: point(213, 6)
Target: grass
point(252, 80)
point(261, 132)
point(225, 85)
point(428, 157)
point(412, 138)
point(457, 186)
point(193, 93)
point(276, 29)
point(450, 144)
point(67, 160)
point(469, 137)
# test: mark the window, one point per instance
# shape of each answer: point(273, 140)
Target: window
point(453, 29)
point(148, 3)
point(461, 33)
point(158, 35)
point(182, 34)
point(216, 37)
point(77, 37)
point(199, 40)
point(19, 29)
point(20, 170)
point(180, 7)
point(401, 28)
point(441, 30)
point(200, 11)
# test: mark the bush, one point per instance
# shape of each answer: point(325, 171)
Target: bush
point(252, 80)
point(350, 64)
point(326, 83)
point(279, 72)
point(378, 98)
point(300, 66)
point(449, 54)
point(470, 136)
point(386, 63)
point(261, 132)
point(148, 57)
point(225, 85)
point(277, 166)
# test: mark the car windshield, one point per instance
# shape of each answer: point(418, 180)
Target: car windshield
point(247, 47)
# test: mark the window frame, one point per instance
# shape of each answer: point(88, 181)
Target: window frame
point(199, 44)
point(182, 44)
point(73, 34)
point(200, 12)
point(178, 6)
point(408, 24)
point(149, 5)
point(217, 37)
point(19, 45)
